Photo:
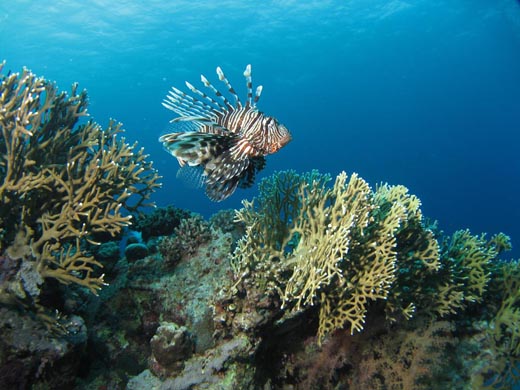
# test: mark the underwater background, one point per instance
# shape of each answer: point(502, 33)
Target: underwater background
point(324, 282)
point(420, 93)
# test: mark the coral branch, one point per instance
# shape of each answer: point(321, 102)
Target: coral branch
point(60, 182)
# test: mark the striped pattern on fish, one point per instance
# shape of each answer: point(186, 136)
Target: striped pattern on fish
point(228, 141)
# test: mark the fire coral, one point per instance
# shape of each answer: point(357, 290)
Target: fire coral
point(60, 183)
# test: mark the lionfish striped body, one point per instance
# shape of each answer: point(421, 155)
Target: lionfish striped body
point(227, 141)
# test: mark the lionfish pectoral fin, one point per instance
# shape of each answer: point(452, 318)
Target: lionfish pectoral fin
point(174, 127)
point(227, 176)
point(224, 175)
point(256, 164)
point(219, 191)
point(193, 119)
point(192, 175)
point(194, 148)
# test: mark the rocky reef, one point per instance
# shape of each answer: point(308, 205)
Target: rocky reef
point(314, 284)
point(66, 187)
point(327, 286)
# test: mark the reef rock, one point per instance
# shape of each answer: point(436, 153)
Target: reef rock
point(136, 251)
point(31, 356)
point(170, 345)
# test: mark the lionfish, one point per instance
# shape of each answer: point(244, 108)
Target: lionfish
point(226, 142)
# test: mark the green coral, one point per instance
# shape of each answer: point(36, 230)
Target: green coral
point(502, 335)
point(161, 222)
point(467, 262)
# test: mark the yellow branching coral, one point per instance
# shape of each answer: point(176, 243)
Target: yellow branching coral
point(450, 298)
point(417, 250)
point(420, 243)
point(501, 242)
point(268, 221)
point(369, 269)
point(338, 250)
point(325, 232)
point(60, 182)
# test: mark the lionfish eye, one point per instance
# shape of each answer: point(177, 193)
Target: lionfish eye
point(274, 125)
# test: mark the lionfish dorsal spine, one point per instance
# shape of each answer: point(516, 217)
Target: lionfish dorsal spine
point(249, 85)
point(258, 92)
point(222, 77)
point(207, 84)
point(204, 96)
point(188, 106)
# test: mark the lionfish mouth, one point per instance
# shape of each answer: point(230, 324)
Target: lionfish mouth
point(285, 141)
point(286, 138)
point(275, 147)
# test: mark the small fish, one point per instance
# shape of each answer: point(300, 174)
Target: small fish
point(226, 142)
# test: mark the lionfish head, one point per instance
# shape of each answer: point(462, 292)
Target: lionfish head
point(279, 136)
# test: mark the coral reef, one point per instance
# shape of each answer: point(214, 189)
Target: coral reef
point(61, 182)
point(345, 254)
point(331, 286)
point(153, 292)
point(66, 186)
point(405, 357)
point(161, 222)
point(338, 247)
point(186, 238)
point(314, 284)
point(410, 359)
point(225, 221)
point(499, 347)
point(107, 252)
point(220, 368)
point(466, 272)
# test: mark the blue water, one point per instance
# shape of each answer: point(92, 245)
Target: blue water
point(420, 93)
